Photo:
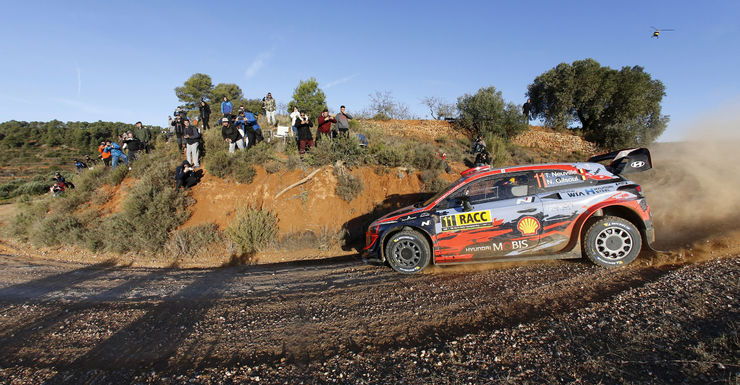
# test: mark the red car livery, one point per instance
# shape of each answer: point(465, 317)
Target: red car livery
point(544, 211)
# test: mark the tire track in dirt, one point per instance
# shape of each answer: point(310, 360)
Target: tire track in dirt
point(294, 312)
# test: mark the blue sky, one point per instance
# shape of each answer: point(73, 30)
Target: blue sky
point(120, 61)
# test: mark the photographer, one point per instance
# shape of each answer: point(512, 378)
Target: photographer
point(184, 176)
point(325, 121)
point(179, 126)
point(305, 138)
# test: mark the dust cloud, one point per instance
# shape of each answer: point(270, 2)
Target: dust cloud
point(694, 189)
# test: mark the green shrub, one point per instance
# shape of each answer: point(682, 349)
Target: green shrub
point(28, 214)
point(57, 228)
point(33, 188)
point(187, 242)
point(218, 163)
point(253, 230)
point(244, 172)
point(387, 155)
point(328, 151)
point(8, 190)
point(116, 176)
point(294, 161)
point(90, 180)
point(498, 149)
point(348, 186)
point(424, 157)
point(273, 166)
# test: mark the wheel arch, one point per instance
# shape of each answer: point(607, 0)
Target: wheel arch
point(615, 210)
point(386, 237)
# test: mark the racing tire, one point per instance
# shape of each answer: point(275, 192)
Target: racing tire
point(407, 252)
point(612, 241)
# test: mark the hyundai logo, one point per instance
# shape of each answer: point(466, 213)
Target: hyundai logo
point(637, 164)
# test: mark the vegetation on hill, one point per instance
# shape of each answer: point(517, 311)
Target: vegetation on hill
point(614, 108)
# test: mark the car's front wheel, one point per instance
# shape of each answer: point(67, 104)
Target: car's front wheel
point(407, 252)
point(612, 241)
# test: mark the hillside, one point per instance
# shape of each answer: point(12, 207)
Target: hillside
point(313, 221)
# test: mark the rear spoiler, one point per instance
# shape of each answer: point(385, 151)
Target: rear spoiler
point(626, 161)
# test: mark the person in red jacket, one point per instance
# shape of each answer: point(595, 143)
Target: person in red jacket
point(325, 121)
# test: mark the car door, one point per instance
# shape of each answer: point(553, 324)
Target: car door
point(492, 217)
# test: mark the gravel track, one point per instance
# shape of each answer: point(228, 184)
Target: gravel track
point(339, 320)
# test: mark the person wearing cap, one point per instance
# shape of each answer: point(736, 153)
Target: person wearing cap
point(192, 140)
point(343, 119)
point(270, 107)
point(231, 135)
point(305, 138)
point(325, 121)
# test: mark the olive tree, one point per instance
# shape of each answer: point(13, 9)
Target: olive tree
point(488, 112)
point(614, 108)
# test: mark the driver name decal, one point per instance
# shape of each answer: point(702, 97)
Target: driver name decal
point(466, 221)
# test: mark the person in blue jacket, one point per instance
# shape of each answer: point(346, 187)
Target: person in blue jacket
point(115, 153)
point(255, 135)
point(226, 107)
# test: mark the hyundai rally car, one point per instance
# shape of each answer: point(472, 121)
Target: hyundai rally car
point(544, 211)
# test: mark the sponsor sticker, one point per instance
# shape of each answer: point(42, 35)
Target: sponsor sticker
point(528, 225)
point(589, 191)
point(551, 178)
point(511, 245)
point(466, 221)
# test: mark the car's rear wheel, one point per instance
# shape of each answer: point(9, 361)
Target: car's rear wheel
point(612, 241)
point(407, 252)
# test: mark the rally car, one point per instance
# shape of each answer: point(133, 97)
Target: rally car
point(542, 211)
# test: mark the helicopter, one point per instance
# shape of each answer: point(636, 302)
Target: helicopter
point(657, 31)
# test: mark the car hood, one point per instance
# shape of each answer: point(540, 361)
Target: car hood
point(400, 211)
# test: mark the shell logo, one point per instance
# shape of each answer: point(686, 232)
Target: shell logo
point(528, 225)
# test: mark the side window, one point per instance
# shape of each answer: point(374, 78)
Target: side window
point(513, 186)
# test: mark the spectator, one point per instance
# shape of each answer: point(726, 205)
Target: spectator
point(527, 109)
point(243, 127)
point(179, 112)
point(295, 115)
point(90, 161)
point(192, 140)
point(343, 119)
point(132, 145)
point(231, 135)
point(226, 107)
point(79, 165)
point(482, 159)
point(205, 114)
point(105, 156)
point(58, 178)
point(325, 121)
point(253, 127)
point(143, 136)
point(305, 138)
point(179, 125)
point(478, 145)
point(116, 154)
point(270, 107)
point(184, 176)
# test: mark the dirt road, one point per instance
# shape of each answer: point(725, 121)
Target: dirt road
point(338, 320)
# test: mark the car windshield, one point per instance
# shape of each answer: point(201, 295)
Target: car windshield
point(439, 194)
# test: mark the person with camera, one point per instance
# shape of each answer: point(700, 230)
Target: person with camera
point(343, 119)
point(178, 124)
point(115, 153)
point(325, 121)
point(192, 141)
point(184, 176)
point(305, 138)
point(231, 135)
